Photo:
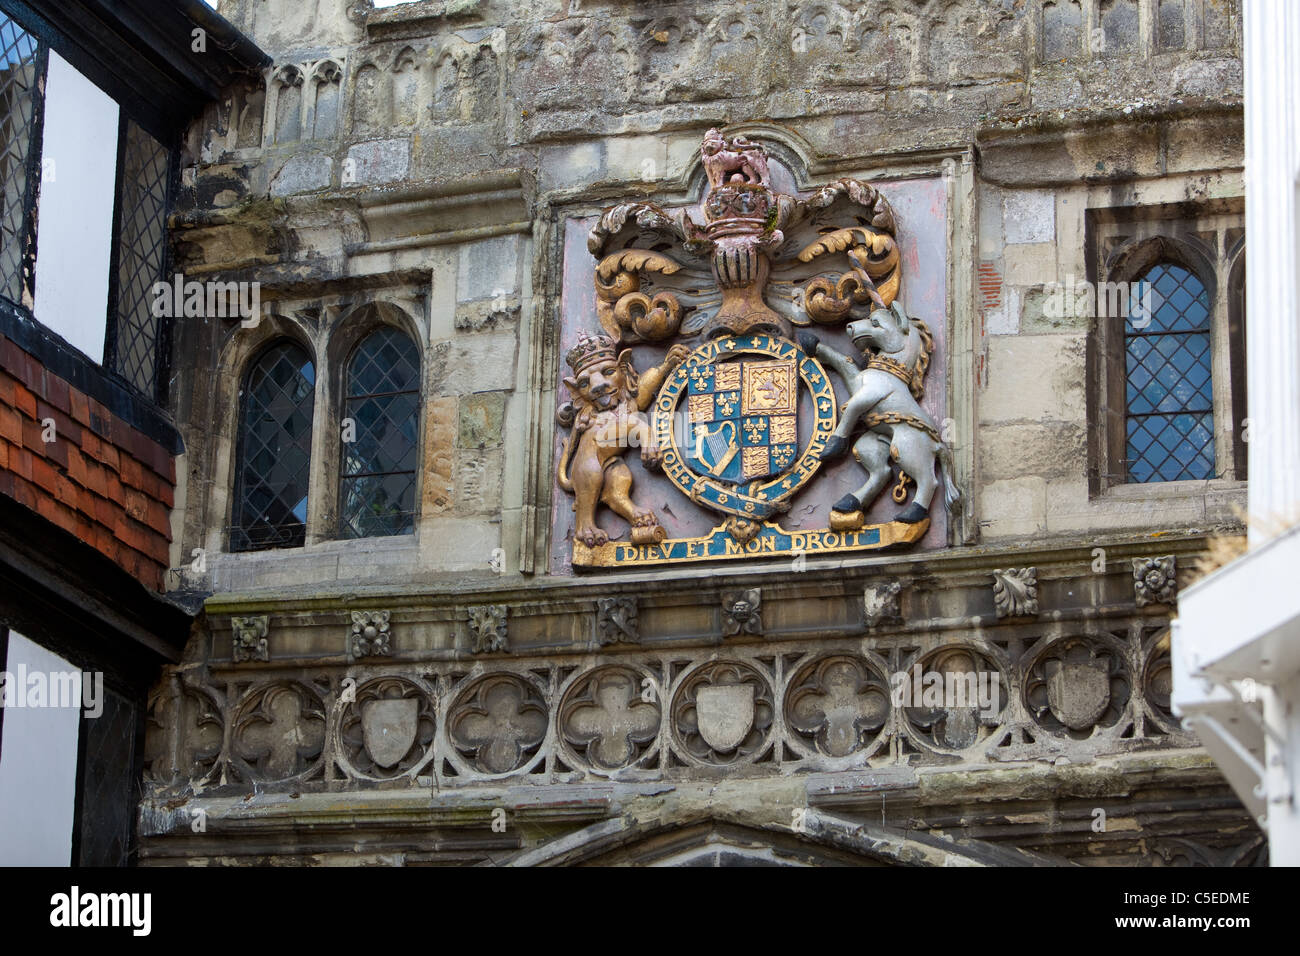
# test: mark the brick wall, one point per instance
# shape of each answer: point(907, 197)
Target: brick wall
point(100, 478)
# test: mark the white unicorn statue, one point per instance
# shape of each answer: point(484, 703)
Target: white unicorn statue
point(885, 399)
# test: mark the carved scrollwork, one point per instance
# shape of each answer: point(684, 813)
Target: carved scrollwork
point(609, 720)
point(1015, 592)
point(387, 730)
point(873, 279)
point(952, 698)
point(722, 714)
point(1077, 685)
point(838, 706)
point(279, 731)
point(625, 312)
point(498, 723)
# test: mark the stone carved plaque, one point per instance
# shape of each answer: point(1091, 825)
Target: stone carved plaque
point(742, 378)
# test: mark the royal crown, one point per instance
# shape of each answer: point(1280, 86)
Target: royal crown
point(589, 350)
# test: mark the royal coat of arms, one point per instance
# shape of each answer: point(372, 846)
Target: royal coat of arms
point(742, 410)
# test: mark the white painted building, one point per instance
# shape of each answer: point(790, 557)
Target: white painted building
point(1237, 638)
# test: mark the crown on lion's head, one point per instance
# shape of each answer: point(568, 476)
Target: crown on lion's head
point(590, 350)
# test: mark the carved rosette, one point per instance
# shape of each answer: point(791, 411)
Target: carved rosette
point(880, 604)
point(1015, 592)
point(370, 635)
point(278, 732)
point(387, 730)
point(249, 637)
point(497, 724)
point(616, 621)
point(742, 612)
point(1154, 580)
point(609, 719)
point(952, 699)
point(487, 626)
point(722, 714)
point(1076, 686)
point(838, 706)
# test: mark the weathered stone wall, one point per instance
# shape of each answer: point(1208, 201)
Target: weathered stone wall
point(417, 166)
point(427, 147)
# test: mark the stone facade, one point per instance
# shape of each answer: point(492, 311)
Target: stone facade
point(434, 167)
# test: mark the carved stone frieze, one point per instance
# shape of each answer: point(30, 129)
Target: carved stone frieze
point(742, 612)
point(370, 635)
point(498, 722)
point(279, 731)
point(183, 733)
point(616, 621)
point(1155, 580)
point(487, 625)
point(952, 699)
point(1015, 592)
point(880, 603)
point(610, 718)
point(838, 705)
point(250, 637)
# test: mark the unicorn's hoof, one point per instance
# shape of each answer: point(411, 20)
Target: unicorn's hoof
point(846, 504)
point(913, 514)
point(834, 447)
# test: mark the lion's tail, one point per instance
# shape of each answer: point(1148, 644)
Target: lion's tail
point(562, 472)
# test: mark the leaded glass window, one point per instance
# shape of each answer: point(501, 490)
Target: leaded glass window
point(144, 175)
point(1170, 417)
point(274, 458)
point(22, 64)
point(379, 434)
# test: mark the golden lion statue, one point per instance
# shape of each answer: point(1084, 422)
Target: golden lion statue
point(607, 417)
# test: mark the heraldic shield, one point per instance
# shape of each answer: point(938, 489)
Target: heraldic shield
point(743, 419)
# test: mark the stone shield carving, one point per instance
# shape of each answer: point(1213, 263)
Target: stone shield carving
point(1078, 691)
point(722, 713)
point(725, 715)
point(1079, 686)
point(389, 728)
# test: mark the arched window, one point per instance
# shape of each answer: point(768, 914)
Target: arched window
point(381, 412)
point(274, 457)
point(1169, 391)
